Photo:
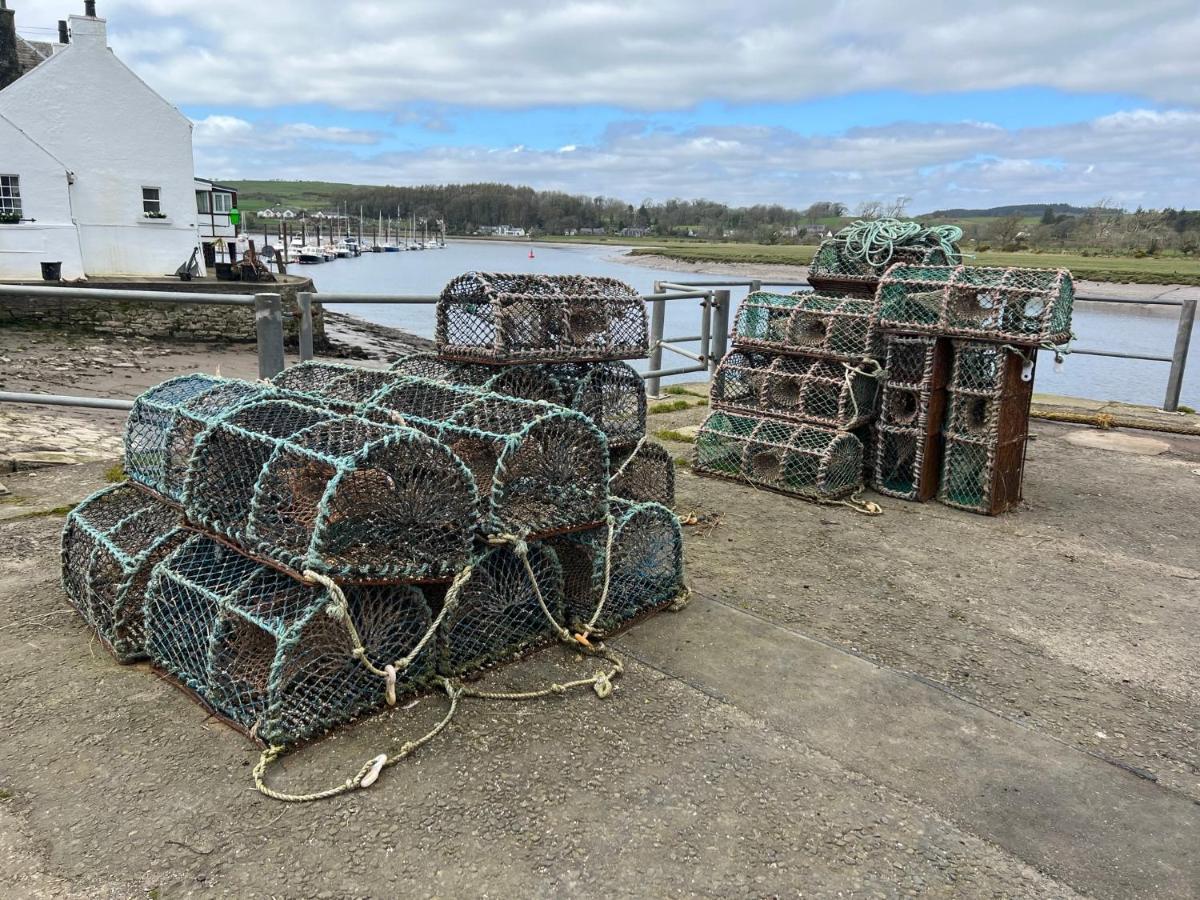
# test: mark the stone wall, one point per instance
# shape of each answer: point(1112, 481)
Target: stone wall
point(175, 321)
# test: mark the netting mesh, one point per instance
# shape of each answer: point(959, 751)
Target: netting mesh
point(1031, 306)
point(834, 326)
point(333, 381)
point(986, 427)
point(337, 494)
point(805, 460)
point(646, 566)
point(538, 468)
point(261, 648)
point(498, 614)
point(835, 265)
point(819, 391)
point(110, 545)
point(643, 474)
point(162, 428)
point(506, 317)
point(611, 394)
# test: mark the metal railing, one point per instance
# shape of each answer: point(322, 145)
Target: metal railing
point(715, 306)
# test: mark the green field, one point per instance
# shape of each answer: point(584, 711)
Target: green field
point(311, 195)
point(1150, 270)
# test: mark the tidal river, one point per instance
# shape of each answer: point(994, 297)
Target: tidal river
point(1149, 331)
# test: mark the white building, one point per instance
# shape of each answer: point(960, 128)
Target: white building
point(96, 166)
point(214, 205)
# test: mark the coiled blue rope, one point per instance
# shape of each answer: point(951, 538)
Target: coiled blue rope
point(876, 240)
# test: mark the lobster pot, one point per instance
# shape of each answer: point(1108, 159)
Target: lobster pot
point(826, 325)
point(987, 426)
point(611, 394)
point(804, 460)
point(797, 388)
point(497, 614)
point(340, 495)
point(642, 474)
point(261, 648)
point(110, 545)
point(165, 421)
point(538, 468)
point(835, 266)
point(646, 570)
point(344, 385)
point(1008, 305)
point(907, 445)
point(506, 317)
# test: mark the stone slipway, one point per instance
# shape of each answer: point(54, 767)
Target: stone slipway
point(1084, 820)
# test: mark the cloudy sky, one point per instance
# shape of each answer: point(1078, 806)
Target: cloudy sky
point(760, 101)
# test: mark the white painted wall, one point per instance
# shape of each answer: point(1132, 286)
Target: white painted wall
point(44, 197)
point(116, 135)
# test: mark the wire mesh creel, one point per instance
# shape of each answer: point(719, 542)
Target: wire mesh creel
point(797, 388)
point(261, 648)
point(1015, 305)
point(646, 568)
point(803, 460)
point(538, 468)
point(645, 473)
point(510, 317)
point(834, 266)
point(110, 545)
point(611, 394)
point(827, 325)
point(311, 489)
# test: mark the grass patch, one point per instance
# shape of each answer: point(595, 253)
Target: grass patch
point(676, 389)
point(5, 794)
point(669, 434)
point(682, 462)
point(1186, 409)
point(113, 474)
point(40, 513)
point(669, 406)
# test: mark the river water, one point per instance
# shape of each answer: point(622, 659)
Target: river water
point(1148, 330)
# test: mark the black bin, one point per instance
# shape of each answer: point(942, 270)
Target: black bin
point(52, 271)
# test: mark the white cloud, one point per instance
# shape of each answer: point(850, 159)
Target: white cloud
point(652, 56)
point(1148, 160)
point(231, 132)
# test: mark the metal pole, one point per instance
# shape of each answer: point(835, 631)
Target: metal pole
point(268, 320)
point(706, 311)
point(658, 313)
point(1183, 338)
point(60, 400)
point(305, 301)
point(720, 332)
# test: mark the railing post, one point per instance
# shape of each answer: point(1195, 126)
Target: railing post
point(658, 314)
point(304, 300)
point(1183, 338)
point(755, 286)
point(268, 320)
point(720, 329)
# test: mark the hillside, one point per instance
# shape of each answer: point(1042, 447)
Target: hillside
point(1030, 210)
point(314, 195)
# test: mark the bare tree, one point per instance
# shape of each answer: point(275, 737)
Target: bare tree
point(898, 209)
point(1005, 230)
point(870, 209)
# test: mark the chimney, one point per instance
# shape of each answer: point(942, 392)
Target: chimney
point(88, 30)
point(10, 65)
point(89, 8)
point(64, 36)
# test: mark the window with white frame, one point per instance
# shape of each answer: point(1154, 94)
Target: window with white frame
point(222, 203)
point(151, 201)
point(202, 201)
point(10, 197)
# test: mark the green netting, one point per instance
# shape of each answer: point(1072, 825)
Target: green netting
point(909, 360)
point(987, 369)
point(110, 544)
point(506, 317)
point(1030, 306)
point(611, 394)
point(967, 471)
point(646, 567)
point(832, 326)
point(642, 474)
point(798, 388)
point(333, 381)
point(262, 648)
point(857, 256)
point(538, 468)
point(899, 459)
point(498, 615)
point(804, 460)
point(337, 494)
point(162, 428)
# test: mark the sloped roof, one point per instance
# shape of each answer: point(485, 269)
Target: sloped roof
point(30, 54)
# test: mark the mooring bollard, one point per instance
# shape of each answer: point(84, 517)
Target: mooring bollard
point(268, 320)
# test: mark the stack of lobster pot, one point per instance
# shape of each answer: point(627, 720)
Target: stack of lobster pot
point(297, 554)
point(793, 403)
point(961, 347)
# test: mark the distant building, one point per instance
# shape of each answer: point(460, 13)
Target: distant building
point(593, 231)
point(214, 203)
point(95, 168)
point(502, 230)
point(635, 231)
